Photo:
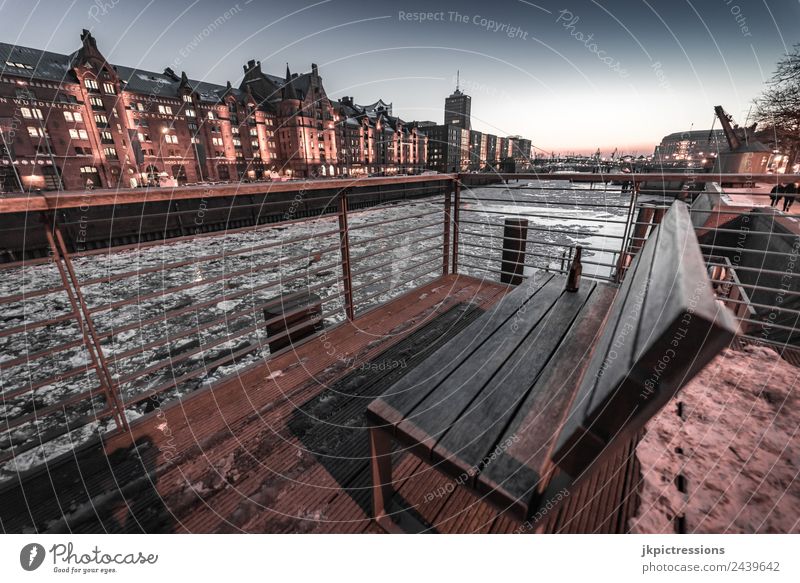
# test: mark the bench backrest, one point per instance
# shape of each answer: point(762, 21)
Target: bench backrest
point(663, 327)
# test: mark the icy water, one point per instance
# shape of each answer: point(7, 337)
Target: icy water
point(211, 311)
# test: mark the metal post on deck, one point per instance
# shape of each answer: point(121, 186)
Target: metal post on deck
point(446, 235)
point(642, 226)
point(622, 260)
point(658, 214)
point(515, 239)
point(344, 244)
point(90, 338)
point(456, 207)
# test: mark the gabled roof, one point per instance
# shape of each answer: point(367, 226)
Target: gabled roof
point(162, 84)
point(47, 66)
point(37, 64)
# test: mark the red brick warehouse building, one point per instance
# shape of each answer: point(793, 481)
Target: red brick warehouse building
point(66, 119)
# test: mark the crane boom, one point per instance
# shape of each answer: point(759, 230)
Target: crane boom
point(730, 134)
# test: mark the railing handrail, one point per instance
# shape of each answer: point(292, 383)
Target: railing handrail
point(57, 200)
point(701, 177)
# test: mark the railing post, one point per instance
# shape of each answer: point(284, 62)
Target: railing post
point(344, 245)
point(456, 206)
point(515, 241)
point(90, 338)
point(625, 244)
point(447, 221)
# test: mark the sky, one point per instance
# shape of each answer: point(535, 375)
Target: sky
point(575, 75)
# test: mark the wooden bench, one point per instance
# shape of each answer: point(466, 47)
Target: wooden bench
point(539, 390)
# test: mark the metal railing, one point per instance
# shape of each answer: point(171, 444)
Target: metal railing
point(92, 339)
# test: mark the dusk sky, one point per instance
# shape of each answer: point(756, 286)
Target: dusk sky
point(571, 76)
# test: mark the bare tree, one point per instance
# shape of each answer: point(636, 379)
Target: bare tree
point(778, 107)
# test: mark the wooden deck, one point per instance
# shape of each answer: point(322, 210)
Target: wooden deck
point(282, 447)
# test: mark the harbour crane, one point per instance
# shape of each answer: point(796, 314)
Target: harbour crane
point(730, 134)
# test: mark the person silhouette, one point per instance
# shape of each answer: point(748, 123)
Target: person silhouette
point(775, 195)
point(789, 193)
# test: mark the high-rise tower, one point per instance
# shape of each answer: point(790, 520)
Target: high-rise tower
point(457, 107)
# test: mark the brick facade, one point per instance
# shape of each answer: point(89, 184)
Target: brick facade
point(67, 120)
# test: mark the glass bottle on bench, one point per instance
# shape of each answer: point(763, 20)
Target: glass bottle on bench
point(575, 269)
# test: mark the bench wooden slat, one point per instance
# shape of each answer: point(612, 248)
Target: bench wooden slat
point(435, 415)
point(475, 432)
point(514, 477)
point(670, 334)
point(415, 386)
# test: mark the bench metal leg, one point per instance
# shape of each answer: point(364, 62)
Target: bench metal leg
point(380, 442)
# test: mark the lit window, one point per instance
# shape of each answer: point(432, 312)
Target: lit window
point(83, 135)
point(100, 119)
point(165, 109)
point(96, 102)
point(35, 132)
point(110, 152)
point(73, 134)
point(187, 98)
point(91, 84)
point(211, 115)
point(68, 116)
point(31, 113)
point(190, 113)
point(78, 116)
point(109, 88)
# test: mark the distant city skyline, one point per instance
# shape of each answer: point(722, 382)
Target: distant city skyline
point(616, 75)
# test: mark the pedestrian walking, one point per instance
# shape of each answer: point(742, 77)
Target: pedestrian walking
point(789, 192)
point(775, 195)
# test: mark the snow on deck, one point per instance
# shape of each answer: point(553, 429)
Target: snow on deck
point(729, 462)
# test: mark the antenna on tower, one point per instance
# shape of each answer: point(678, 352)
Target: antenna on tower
point(458, 78)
